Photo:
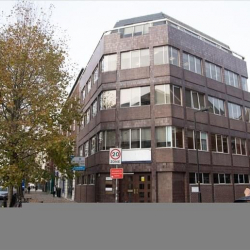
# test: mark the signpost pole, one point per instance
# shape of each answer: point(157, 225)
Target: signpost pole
point(116, 190)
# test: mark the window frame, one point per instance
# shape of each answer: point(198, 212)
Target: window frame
point(170, 132)
point(244, 179)
point(194, 143)
point(167, 52)
point(222, 144)
point(202, 178)
point(210, 71)
point(130, 57)
point(195, 63)
point(140, 96)
point(104, 133)
point(171, 94)
point(231, 112)
point(100, 99)
point(235, 144)
point(213, 107)
point(245, 88)
point(235, 76)
point(102, 63)
point(198, 98)
point(224, 177)
point(130, 138)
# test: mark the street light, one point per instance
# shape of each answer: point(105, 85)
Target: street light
point(197, 154)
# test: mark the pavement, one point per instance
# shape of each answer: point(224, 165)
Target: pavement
point(42, 197)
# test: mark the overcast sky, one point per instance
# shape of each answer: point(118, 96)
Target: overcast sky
point(85, 21)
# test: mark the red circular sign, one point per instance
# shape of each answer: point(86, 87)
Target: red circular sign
point(115, 154)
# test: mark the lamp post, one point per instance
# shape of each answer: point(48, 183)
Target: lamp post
point(197, 152)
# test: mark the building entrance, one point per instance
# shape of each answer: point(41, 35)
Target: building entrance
point(135, 188)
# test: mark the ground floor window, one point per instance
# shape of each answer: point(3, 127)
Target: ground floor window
point(222, 178)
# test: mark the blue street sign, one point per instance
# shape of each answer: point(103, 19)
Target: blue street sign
point(78, 168)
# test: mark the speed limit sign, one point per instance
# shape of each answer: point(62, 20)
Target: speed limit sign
point(115, 156)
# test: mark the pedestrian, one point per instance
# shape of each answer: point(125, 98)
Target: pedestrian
point(54, 191)
point(36, 187)
point(28, 189)
point(4, 204)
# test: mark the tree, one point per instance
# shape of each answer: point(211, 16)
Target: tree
point(34, 76)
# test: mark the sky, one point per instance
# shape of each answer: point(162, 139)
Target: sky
point(85, 21)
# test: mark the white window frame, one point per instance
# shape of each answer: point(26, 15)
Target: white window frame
point(220, 100)
point(200, 141)
point(247, 110)
point(86, 143)
point(244, 182)
point(130, 61)
point(83, 94)
point(95, 75)
point(192, 100)
point(171, 132)
point(245, 84)
point(195, 66)
point(234, 80)
point(202, 179)
point(88, 116)
point(130, 138)
point(92, 108)
point(173, 91)
point(104, 133)
point(89, 85)
point(102, 63)
point(100, 99)
point(143, 29)
point(91, 143)
point(236, 153)
point(131, 96)
point(210, 71)
point(224, 179)
point(216, 135)
point(233, 105)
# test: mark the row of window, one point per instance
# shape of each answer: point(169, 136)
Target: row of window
point(164, 55)
point(143, 29)
point(218, 178)
point(167, 137)
point(170, 55)
point(85, 179)
point(164, 94)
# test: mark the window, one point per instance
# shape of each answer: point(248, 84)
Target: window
point(234, 111)
point(231, 78)
point(106, 140)
point(80, 150)
point(204, 178)
point(238, 146)
point(93, 145)
point(135, 97)
point(219, 143)
point(222, 178)
point(241, 178)
point(109, 63)
point(96, 75)
point(213, 71)
point(201, 140)
point(85, 180)
point(94, 109)
point(244, 83)
point(135, 30)
point(83, 93)
point(170, 137)
point(216, 106)
point(92, 179)
point(192, 63)
point(108, 99)
point(86, 148)
point(136, 138)
point(108, 185)
point(89, 85)
point(167, 93)
point(194, 99)
point(166, 55)
point(135, 59)
point(88, 116)
point(247, 114)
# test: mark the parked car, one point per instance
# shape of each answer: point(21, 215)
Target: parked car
point(244, 199)
point(3, 193)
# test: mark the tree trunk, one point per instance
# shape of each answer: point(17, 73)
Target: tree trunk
point(10, 194)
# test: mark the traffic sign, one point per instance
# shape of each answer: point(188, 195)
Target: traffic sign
point(116, 173)
point(115, 156)
point(78, 160)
